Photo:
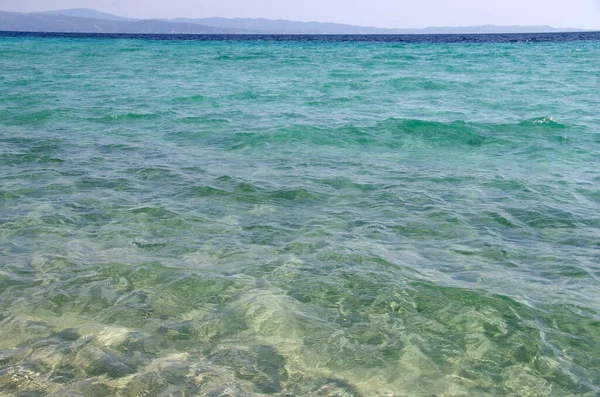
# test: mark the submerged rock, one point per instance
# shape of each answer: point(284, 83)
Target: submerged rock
point(88, 388)
point(261, 365)
point(97, 361)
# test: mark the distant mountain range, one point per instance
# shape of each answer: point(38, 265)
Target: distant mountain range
point(87, 13)
point(82, 20)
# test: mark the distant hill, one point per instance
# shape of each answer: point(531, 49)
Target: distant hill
point(59, 23)
point(282, 26)
point(491, 29)
point(87, 13)
point(82, 20)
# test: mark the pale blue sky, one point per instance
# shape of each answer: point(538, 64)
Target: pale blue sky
point(381, 13)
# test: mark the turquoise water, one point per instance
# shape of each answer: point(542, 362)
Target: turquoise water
point(299, 218)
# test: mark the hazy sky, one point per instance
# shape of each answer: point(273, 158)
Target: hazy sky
point(381, 13)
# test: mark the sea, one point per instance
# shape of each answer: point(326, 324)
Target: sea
point(408, 216)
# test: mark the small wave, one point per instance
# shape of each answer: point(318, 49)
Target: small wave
point(152, 173)
point(508, 185)
point(124, 117)
point(248, 192)
point(457, 132)
point(343, 84)
point(342, 74)
point(293, 194)
point(394, 57)
point(130, 49)
point(246, 95)
point(391, 133)
point(245, 57)
point(345, 183)
point(545, 122)
point(189, 99)
point(28, 158)
point(25, 119)
point(416, 84)
point(250, 95)
point(396, 133)
point(154, 212)
point(545, 218)
point(205, 191)
point(209, 122)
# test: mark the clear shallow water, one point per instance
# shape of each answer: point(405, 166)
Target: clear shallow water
point(299, 218)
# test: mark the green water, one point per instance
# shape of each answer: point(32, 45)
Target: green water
point(299, 219)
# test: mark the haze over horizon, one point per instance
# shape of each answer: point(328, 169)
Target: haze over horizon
point(584, 14)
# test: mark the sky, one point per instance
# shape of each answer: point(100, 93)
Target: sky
point(381, 13)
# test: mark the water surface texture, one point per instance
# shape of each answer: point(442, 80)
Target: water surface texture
point(299, 218)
